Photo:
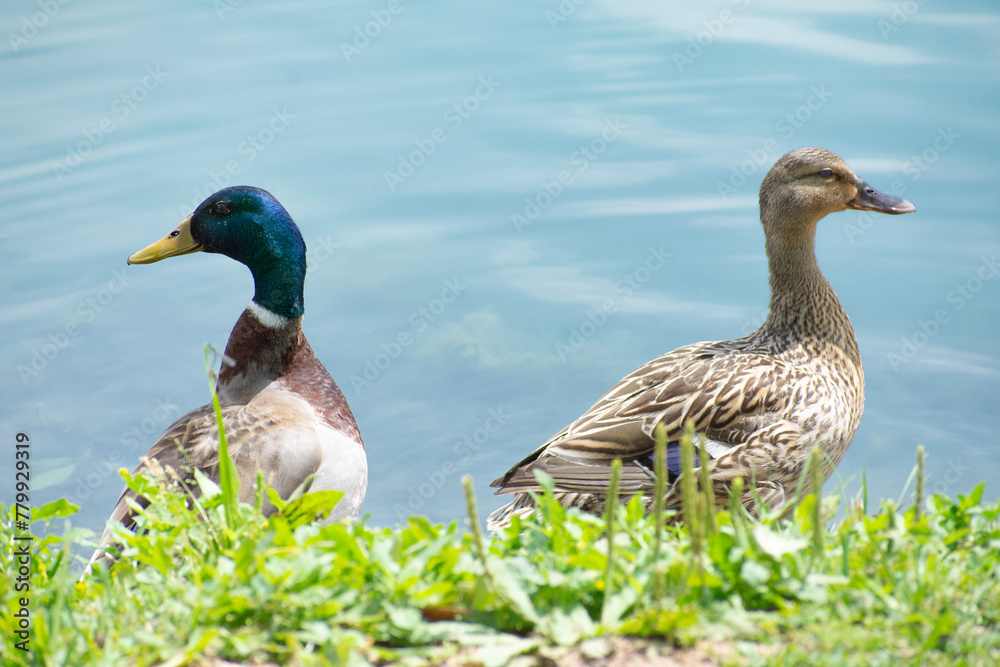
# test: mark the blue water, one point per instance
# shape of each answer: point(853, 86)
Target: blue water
point(508, 207)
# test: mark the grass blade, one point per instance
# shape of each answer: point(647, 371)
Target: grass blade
point(689, 492)
point(816, 482)
point(228, 480)
point(918, 502)
point(477, 529)
point(659, 499)
point(610, 512)
point(708, 493)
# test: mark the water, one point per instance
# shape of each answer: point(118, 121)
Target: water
point(483, 179)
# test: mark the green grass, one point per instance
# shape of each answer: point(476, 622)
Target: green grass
point(211, 577)
point(219, 579)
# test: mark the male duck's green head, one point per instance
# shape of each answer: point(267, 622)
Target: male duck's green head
point(249, 225)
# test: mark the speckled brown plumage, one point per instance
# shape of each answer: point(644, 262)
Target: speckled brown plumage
point(761, 402)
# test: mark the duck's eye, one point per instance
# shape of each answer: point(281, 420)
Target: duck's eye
point(221, 208)
point(826, 173)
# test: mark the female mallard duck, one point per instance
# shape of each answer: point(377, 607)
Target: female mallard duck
point(761, 402)
point(283, 413)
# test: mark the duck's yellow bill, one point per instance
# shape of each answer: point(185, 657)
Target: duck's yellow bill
point(177, 242)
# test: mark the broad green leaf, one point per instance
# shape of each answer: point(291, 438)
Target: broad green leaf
point(777, 545)
point(57, 508)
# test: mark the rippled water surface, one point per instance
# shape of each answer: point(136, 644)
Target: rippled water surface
point(508, 207)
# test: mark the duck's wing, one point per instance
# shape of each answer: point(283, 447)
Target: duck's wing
point(287, 455)
point(729, 392)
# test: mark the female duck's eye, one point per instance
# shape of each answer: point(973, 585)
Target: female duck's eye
point(221, 208)
point(826, 173)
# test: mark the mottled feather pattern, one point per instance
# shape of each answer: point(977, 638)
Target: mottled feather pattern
point(734, 394)
point(761, 403)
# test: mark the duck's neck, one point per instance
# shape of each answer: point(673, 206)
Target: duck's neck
point(278, 286)
point(259, 350)
point(803, 306)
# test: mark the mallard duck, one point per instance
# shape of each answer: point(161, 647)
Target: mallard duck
point(759, 403)
point(283, 413)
